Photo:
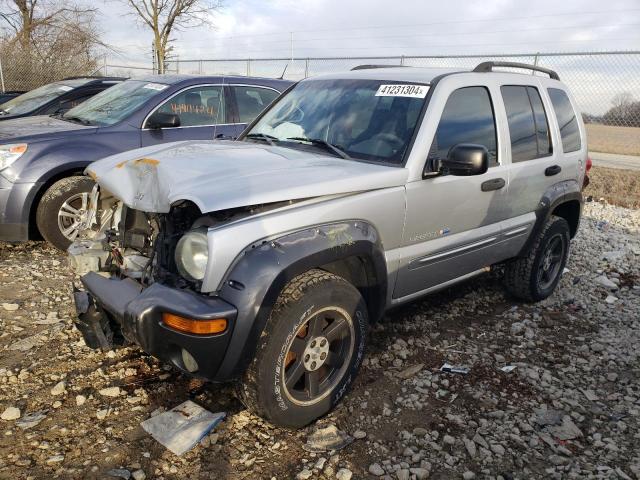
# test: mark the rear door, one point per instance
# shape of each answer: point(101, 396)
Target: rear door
point(536, 161)
point(203, 111)
point(248, 102)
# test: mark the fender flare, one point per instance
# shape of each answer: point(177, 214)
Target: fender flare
point(261, 271)
point(554, 196)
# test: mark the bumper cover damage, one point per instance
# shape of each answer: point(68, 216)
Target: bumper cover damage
point(116, 312)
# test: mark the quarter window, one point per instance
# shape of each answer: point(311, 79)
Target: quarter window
point(467, 118)
point(528, 126)
point(566, 116)
point(251, 101)
point(198, 106)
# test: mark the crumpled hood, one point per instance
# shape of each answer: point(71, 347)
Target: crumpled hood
point(218, 175)
point(42, 124)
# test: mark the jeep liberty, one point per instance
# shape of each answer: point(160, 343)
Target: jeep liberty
point(263, 261)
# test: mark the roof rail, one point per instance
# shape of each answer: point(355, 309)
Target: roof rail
point(488, 67)
point(369, 67)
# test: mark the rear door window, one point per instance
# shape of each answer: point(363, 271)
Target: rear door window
point(467, 118)
point(566, 116)
point(251, 101)
point(528, 126)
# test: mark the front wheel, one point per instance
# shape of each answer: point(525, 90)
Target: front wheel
point(535, 277)
point(310, 351)
point(62, 210)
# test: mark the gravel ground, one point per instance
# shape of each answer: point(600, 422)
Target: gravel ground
point(569, 409)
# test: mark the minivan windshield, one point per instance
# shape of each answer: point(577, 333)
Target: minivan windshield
point(115, 103)
point(369, 120)
point(27, 102)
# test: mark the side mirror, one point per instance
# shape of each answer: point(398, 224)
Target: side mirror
point(159, 120)
point(466, 159)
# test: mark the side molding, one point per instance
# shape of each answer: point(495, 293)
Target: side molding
point(261, 271)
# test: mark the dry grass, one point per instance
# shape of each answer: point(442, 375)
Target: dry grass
point(608, 139)
point(616, 186)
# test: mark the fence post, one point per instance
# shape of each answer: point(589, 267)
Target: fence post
point(402, 60)
point(2, 76)
point(306, 68)
point(104, 61)
point(535, 62)
point(248, 67)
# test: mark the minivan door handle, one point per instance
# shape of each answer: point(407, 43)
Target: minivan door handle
point(552, 170)
point(493, 184)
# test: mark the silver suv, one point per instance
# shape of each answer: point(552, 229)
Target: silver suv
point(265, 260)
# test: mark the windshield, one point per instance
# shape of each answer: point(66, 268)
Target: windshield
point(115, 103)
point(369, 120)
point(29, 101)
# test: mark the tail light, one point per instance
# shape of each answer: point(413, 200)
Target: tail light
point(589, 164)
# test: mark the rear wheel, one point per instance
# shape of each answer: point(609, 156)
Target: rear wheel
point(310, 351)
point(62, 210)
point(535, 277)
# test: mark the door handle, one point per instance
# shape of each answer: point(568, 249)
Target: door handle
point(552, 170)
point(493, 184)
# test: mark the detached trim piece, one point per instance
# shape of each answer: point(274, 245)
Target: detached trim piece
point(488, 67)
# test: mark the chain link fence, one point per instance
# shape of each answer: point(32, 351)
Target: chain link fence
point(606, 85)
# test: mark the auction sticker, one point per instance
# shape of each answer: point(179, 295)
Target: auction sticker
point(155, 86)
point(414, 91)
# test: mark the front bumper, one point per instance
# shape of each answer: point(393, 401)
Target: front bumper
point(15, 205)
point(113, 311)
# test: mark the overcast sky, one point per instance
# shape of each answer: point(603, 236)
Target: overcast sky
point(262, 28)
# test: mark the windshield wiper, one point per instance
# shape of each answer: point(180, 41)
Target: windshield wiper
point(75, 119)
point(323, 143)
point(262, 136)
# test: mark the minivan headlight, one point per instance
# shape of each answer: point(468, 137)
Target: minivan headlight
point(192, 254)
point(10, 153)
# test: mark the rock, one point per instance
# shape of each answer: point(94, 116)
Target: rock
point(420, 473)
point(375, 469)
point(327, 438)
point(31, 420)
point(611, 299)
point(304, 474)
point(10, 307)
point(138, 475)
point(344, 474)
point(55, 459)
point(410, 371)
point(497, 449)
point(547, 417)
point(403, 474)
point(359, 434)
point(110, 392)
point(59, 388)
point(603, 281)
point(612, 256)
point(119, 473)
point(470, 446)
point(517, 328)
point(480, 441)
point(567, 431)
point(102, 414)
point(448, 439)
point(10, 413)
point(468, 475)
point(80, 400)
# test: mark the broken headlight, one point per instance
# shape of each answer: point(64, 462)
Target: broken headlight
point(192, 254)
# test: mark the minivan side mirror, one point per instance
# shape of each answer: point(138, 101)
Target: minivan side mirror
point(466, 159)
point(159, 120)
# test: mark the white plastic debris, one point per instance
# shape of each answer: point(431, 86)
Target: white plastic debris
point(182, 427)
point(508, 368)
point(454, 369)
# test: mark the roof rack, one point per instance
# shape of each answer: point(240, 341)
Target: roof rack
point(488, 67)
point(369, 67)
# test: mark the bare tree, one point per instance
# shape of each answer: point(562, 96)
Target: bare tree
point(167, 16)
point(45, 40)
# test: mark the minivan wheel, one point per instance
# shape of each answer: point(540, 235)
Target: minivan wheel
point(310, 351)
point(62, 210)
point(535, 277)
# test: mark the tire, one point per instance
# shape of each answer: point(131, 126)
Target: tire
point(71, 190)
point(532, 278)
point(309, 302)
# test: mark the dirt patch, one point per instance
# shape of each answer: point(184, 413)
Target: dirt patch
point(610, 139)
point(616, 186)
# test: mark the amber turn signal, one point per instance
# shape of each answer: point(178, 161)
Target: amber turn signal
point(198, 327)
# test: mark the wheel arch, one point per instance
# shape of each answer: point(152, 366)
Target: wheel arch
point(351, 250)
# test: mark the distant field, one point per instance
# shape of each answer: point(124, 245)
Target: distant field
point(616, 186)
point(608, 139)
